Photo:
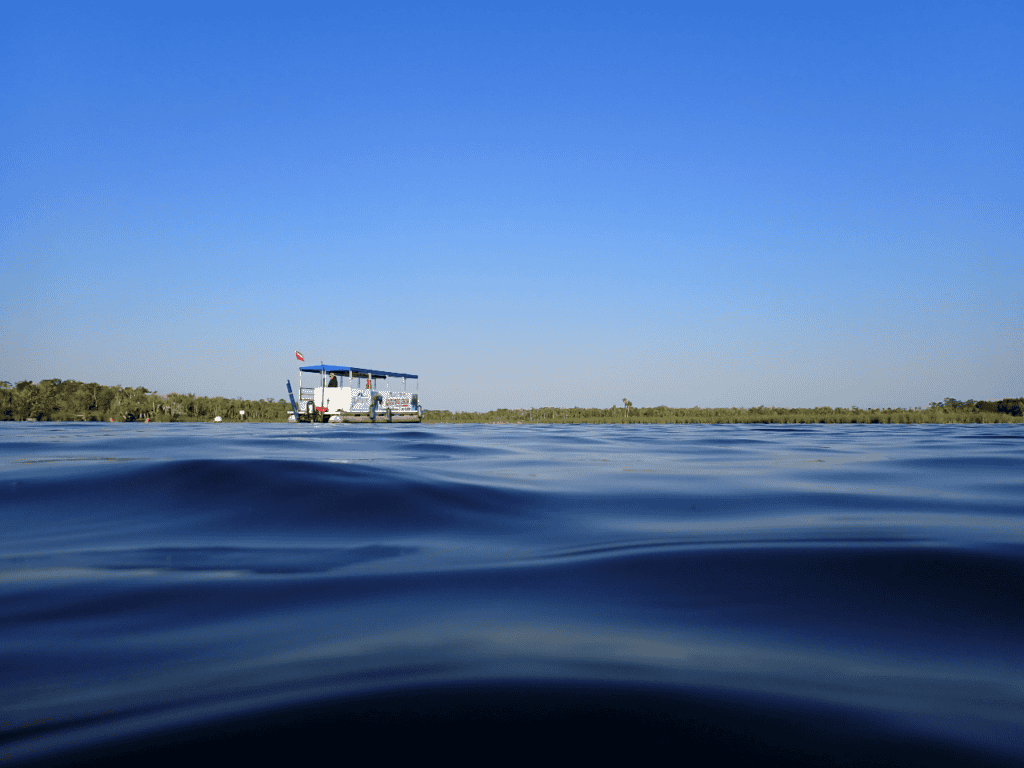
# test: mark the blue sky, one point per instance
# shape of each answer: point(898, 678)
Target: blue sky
point(528, 204)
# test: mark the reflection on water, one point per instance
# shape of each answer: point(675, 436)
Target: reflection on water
point(844, 592)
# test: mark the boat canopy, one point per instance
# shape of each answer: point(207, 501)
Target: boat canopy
point(343, 369)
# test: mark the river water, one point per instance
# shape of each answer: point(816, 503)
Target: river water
point(803, 594)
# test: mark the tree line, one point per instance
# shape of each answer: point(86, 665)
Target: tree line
point(948, 411)
point(69, 400)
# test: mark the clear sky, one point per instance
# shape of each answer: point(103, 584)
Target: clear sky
point(528, 204)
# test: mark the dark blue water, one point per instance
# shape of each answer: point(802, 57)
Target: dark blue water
point(848, 594)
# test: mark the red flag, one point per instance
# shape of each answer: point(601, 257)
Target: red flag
point(299, 357)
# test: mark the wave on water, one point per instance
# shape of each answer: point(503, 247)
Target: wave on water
point(837, 594)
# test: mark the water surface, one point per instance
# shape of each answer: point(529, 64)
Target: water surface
point(851, 593)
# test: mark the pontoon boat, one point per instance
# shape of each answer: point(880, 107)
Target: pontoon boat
point(354, 394)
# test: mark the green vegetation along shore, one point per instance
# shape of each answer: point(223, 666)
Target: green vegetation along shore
point(57, 400)
point(68, 400)
point(949, 411)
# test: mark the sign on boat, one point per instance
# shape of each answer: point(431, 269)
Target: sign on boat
point(346, 393)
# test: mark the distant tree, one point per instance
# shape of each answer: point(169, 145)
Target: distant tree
point(1012, 406)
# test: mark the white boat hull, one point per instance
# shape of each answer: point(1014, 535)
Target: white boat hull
point(347, 404)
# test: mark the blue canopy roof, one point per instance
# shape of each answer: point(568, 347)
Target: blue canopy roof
point(355, 371)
